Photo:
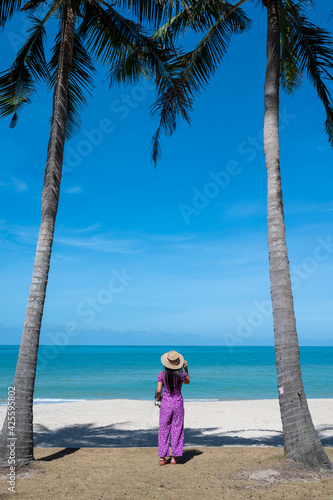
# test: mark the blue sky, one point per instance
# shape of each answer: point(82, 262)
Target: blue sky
point(178, 254)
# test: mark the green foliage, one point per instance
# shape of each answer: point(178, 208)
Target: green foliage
point(219, 20)
point(102, 34)
point(307, 50)
point(7, 9)
point(130, 53)
point(174, 102)
point(107, 33)
point(152, 12)
point(200, 64)
point(17, 85)
point(80, 80)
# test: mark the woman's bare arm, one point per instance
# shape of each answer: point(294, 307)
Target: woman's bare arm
point(185, 366)
point(159, 391)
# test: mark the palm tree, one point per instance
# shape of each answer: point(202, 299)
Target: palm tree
point(300, 437)
point(26, 366)
point(295, 47)
point(87, 28)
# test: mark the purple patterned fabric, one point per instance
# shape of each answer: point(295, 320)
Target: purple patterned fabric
point(171, 420)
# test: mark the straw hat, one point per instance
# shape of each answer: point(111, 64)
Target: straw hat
point(173, 360)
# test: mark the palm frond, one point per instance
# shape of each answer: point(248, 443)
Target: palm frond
point(146, 58)
point(31, 4)
point(175, 101)
point(131, 65)
point(107, 33)
point(7, 9)
point(125, 47)
point(131, 54)
point(291, 77)
point(199, 16)
point(152, 11)
point(33, 52)
point(18, 84)
point(80, 80)
point(16, 90)
point(311, 51)
point(121, 44)
point(191, 72)
point(190, 17)
point(201, 63)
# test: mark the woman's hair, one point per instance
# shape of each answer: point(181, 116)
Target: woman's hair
point(173, 379)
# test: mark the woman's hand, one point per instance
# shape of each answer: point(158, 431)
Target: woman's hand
point(185, 366)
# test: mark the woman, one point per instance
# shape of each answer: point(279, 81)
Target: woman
point(171, 405)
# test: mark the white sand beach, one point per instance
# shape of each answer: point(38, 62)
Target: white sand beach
point(128, 423)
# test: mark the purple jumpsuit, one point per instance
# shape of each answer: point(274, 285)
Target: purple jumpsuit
point(171, 420)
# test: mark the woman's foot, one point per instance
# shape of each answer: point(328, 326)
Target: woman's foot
point(162, 461)
point(173, 461)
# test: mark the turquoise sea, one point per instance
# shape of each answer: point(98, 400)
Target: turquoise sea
point(217, 373)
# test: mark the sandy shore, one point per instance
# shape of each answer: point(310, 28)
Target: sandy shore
point(127, 423)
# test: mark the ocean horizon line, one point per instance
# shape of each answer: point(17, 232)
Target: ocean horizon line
point(163, 345)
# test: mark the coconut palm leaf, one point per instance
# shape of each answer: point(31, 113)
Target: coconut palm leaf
point(131, 65)
point(174, 103)
point(149, 61)
point(31, 5)
point(113, 40)
point(18, 84)
point(80, 80)
point(106, 32)
point(7, 9)
point(33, 52)
point(194, 69)
point(200, 16)
point(152, 11)
point(135, 55)
point(201, 63)
point(130, 53)
point(154, 60)
point(16, 90)
point(309, 51)
point(147, 57)
point(291, 78)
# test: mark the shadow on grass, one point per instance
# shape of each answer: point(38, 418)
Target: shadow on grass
point(88, 435)
point(188, 455)
point(58, 454)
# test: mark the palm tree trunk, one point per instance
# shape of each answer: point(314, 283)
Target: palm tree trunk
point(300, 437)
point(24, 380)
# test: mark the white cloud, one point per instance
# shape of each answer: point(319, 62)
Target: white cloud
point(245, 210)
point(301, 207)
point(172, 238)
point(18, 184)
point(14, 183)
point(19, 233)
point(101, 242)
point(87, 229)
point(74, 190)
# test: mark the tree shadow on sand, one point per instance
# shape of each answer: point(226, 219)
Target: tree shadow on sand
point(115, 436)
point(188, 455)
point(58, 454)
